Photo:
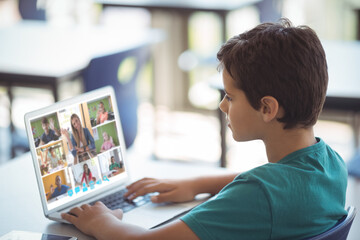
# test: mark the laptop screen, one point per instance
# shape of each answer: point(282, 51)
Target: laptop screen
point(78, 149)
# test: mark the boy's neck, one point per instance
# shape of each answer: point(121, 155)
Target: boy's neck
point(281, 143)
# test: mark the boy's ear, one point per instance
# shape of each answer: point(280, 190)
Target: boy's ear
point(269, 108)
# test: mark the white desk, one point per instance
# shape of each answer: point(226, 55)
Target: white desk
point(21, 205)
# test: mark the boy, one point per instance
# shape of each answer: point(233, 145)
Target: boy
point(60, 188)
point(275, 78)
point(50, 133)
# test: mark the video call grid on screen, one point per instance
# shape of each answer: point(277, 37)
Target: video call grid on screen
point(73, 165)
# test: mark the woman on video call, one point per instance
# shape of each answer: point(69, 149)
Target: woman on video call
point(81, 138)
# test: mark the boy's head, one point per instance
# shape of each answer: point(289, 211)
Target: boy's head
point(45, 124)
point(282, 61)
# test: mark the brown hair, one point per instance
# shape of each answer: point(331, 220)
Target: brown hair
point(44, 120)
point(282, 61)
point(89, 171)
point(76, 133)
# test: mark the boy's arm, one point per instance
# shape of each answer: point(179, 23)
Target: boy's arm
point(178, 190)
point(213, 184)
point(102, 223)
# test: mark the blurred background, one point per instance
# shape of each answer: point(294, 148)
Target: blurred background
point(174, 89)
point(177, 86)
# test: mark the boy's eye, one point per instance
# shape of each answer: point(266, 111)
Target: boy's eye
point(228, 98)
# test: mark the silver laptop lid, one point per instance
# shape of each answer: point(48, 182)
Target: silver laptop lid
point(77, 149)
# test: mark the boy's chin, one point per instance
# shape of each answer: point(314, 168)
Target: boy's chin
point(239, 138)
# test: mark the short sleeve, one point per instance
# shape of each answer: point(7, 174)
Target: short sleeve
point(240, 211)
point(43, 138)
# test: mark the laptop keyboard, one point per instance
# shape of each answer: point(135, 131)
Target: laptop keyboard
point(117, 200)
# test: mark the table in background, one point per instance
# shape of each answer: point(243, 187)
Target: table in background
point(20, 199)
point(37, 54)
point(186, 7)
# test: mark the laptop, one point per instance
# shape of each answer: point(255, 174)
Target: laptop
point(79, 156)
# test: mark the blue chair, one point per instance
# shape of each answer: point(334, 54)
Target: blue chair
point(28, 10)
point(341, 230)
point(354, 165)
point(120, 70)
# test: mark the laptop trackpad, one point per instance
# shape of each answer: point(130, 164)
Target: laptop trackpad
point(152, 214)
point(56, 216)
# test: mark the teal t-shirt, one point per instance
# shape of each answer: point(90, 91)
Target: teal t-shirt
point(300, 196)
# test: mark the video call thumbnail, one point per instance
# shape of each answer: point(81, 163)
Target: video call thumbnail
point(51, 158)
point(57, 185)
point(100, 111)
point(45, 130)
point(86, 172)
point(105, 137)
point(111, 163)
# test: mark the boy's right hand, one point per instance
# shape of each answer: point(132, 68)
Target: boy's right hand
point(169, 190)
point(52, 124)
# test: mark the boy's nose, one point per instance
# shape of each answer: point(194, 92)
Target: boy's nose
point(222, 105)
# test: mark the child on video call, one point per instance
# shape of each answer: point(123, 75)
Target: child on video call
point(108, 142)
point(52, 158)
point(114, 165)
point(86, 175)
point(101, 115)
point(50, 132)
point(275, 78)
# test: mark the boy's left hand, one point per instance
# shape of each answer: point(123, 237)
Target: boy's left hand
point(90, 219)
